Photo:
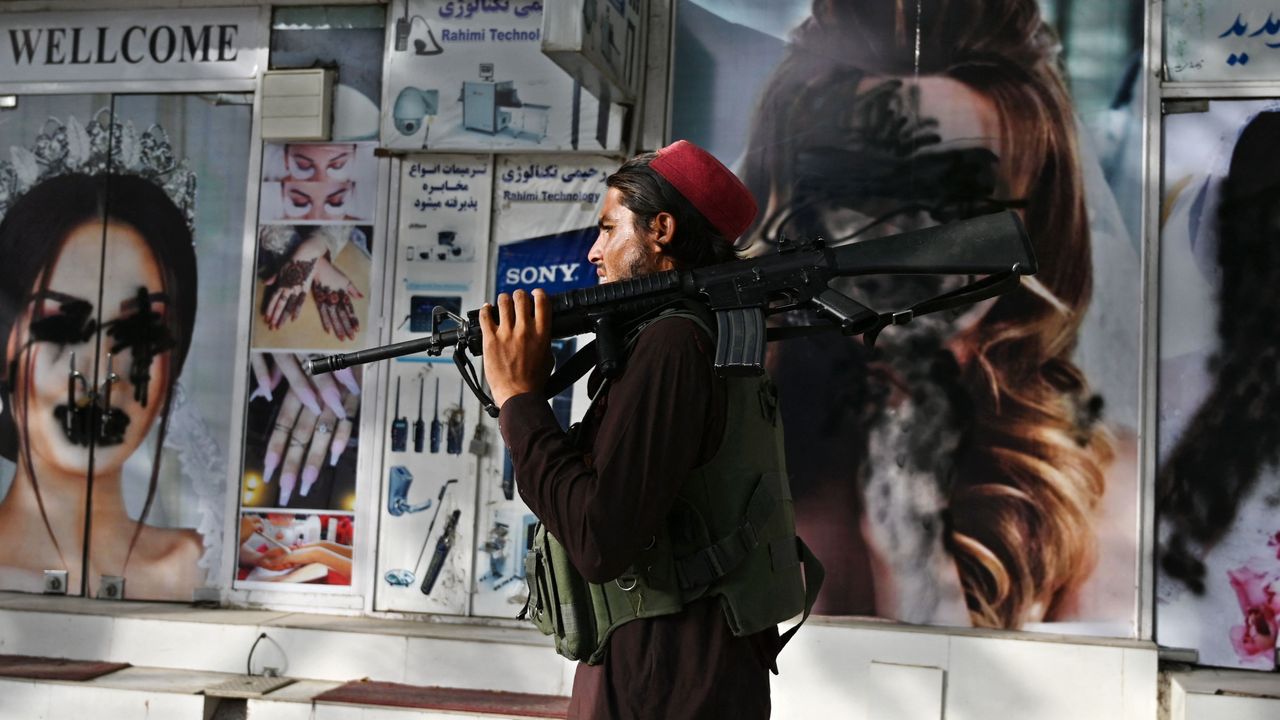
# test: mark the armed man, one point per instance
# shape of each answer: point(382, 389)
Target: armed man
point(669, 553)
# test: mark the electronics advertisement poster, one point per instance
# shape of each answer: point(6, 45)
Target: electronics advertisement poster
point(471, 76)
point(431, 452)
point(122, 334)
point(314, 269)
point(1217, 483)
point(976, 468)
point(544, 222)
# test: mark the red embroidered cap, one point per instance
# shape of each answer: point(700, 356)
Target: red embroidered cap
point(708, 185)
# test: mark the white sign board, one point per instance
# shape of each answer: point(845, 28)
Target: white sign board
point(471, 77)
point(1222, 41)
point(172, 44)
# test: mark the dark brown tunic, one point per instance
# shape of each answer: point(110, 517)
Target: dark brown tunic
point(605, 498)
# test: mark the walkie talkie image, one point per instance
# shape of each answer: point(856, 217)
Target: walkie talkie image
point(454, 431)
point(443, 546)
point(436, 425)
point(400, 426)
point(419, 427)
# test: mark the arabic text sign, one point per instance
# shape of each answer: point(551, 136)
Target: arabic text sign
point(1225, 41)
point(471, 77)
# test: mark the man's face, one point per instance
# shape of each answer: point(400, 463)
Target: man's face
point(621, 251)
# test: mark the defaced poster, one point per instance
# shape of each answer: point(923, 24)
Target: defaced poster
point(471, 76)
point(976, 468)
point(544, 223)
point(116, 437)
point(436, 442)
point(1217, 487)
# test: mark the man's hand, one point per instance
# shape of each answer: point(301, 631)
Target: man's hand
point(517, 351)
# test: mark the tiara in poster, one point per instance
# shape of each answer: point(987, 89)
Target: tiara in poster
point(92, 149)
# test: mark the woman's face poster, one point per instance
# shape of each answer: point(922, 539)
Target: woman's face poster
point(977, 467)
point(114, 445)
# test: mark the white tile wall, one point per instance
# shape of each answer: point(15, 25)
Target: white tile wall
point(830, 670)
point(327, 655)
point(29, 700)
point(78, 637)
point(997, 678)
point(517, 668)
point(1226, 707)
point(905, 692)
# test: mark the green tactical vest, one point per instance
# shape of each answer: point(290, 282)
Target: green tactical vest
point(731, 534)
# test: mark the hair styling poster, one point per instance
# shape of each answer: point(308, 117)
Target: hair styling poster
point(1217, 488)
point(977, 468)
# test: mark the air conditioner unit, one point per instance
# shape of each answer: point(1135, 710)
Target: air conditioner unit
point(297, 104)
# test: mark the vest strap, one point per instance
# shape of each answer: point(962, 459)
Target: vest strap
point(813, 576)
point(721, 557)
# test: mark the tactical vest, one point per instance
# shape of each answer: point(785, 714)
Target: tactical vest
point(730, 534)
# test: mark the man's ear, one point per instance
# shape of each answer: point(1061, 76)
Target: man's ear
point(664, 231)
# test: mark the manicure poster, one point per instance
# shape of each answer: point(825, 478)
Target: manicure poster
point(1217, 483)
point(311, 287)
point(471, 76)
point(436, 442)
point(544, 223)
point(131, 446)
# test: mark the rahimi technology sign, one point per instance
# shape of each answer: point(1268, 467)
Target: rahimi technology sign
point(175, 44)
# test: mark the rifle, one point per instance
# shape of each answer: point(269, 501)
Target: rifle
point(741, 293)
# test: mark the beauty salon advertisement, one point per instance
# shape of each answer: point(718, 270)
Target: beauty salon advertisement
point(977, 468)
point(122, 337)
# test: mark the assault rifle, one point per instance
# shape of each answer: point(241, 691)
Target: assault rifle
point(741, 293)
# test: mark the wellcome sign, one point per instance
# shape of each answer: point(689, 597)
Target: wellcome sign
point(186, 44)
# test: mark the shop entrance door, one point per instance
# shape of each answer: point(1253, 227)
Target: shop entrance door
point(121, 233)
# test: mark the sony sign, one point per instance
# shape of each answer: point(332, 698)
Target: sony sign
point(174, 44)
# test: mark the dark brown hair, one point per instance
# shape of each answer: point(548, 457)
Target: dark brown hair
point(1030, 474)
point(646, 194)
point(32, 236)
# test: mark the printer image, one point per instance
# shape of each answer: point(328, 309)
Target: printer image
point(493, 106)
